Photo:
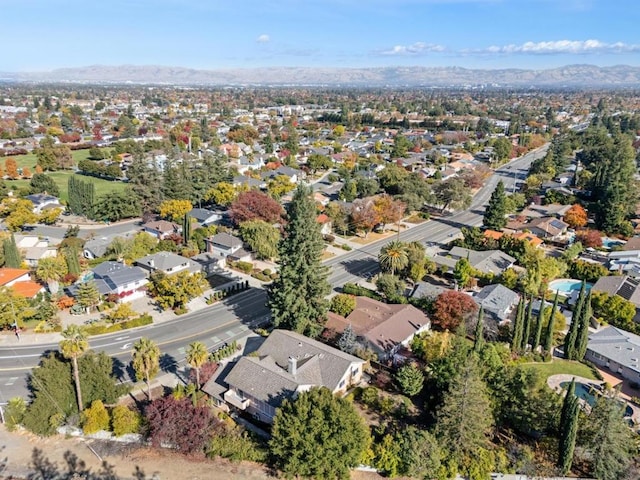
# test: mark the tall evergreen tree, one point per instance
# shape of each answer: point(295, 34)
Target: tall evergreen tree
point(12, 258)
point(495, 213)
point(582, 338)
point(537, 333)
point(516, 339)
point(527, 326)
point(568, 429)
point(548, 335)
point(479, 340)
point(348, 340)
point(297, 297)
point(462, 425)
point(571, 337)
point(186, 229)
point(71, 256)
point(609, 439)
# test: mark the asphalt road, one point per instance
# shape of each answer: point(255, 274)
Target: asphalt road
point(230, 319)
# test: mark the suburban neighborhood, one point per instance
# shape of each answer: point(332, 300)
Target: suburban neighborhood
point(270, 281)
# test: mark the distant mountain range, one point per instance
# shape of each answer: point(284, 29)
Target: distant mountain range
point(567, 76)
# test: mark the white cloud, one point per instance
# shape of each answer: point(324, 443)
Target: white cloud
point(418, 48)
point(264, 38)
point(575, 47)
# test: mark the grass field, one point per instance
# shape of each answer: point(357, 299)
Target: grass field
point(61, 178)
point(29, 160)
point(558, 366)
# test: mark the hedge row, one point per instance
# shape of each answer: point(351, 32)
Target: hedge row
point(141, 321)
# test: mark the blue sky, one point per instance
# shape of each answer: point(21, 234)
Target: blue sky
point(212, 34)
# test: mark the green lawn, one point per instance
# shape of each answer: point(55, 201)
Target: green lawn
point(558, 366)
point(61, 178)
point(29, 160)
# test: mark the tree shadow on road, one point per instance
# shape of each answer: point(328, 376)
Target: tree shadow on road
point(362, 267)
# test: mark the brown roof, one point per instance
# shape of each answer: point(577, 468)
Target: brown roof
point(162, 226)
point(383, 325)
point(8, 275)
point(632, 244)
point(27, 289)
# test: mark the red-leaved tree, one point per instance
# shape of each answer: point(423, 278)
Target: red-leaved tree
point(255, 205)
point(452, 308)
point(179, 423)
point(206, 372)
point(364, 215)
point(589, 238)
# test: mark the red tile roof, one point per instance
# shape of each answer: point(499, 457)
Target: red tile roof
point(28, 289)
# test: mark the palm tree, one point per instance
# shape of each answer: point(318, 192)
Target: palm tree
point(393, 257)
point(197, 356)
point(51, 270)
point(73, 346)
point(146, 361)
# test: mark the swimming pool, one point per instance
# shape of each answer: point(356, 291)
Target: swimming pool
point(590, 393)
point(567, 286)
point(612, 242)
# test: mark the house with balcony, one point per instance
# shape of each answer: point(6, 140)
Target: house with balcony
point(285, 365)
point(123, 282)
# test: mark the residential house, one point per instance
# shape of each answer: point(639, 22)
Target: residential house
point(162, 229)
point(548, 227)
point(96, 247)
point(527, 236)
point(43, 201)
point(623, 286)
point(168, 263)
point(34, 248)
point(286, 364)
point(250, 163)
point(249, 182)
point(292, 174)
point(325, 222)
point(384, 328)
point(625, 262)
point(616, 350)
point(19, 279)
point(205, 217)
point(497, 301)
point(487, 261)
point(224, 245)
point(117, 279)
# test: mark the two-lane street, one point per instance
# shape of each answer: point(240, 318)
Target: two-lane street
point(233, 317)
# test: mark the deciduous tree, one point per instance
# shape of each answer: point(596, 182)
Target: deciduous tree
point(576, 216)
point(451, 308)
point(364, 215)
point(223, 193)
point(175, 210)
point(180, 423)
point(343, 304)
point(262, 238)
point(255, 205)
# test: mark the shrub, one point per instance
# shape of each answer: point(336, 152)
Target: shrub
point(267, 271)
point(369, 397)
point(237, 445)
point(14, 413)
point(346, 247)
point(95, 418)
point(180, 310)
point(141, 321)
point(329, 238)
point(124, 420)
point(65, 302)
point(343, 304)
point(245, 267)
point(358, 291)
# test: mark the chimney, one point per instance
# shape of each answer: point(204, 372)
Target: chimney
point(293, 366)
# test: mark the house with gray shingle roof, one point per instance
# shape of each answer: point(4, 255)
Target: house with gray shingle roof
point(168, 263)
point(487, 261)
point(616, 350)
point(116, 278)
point(497, 300)
point(286, 364)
